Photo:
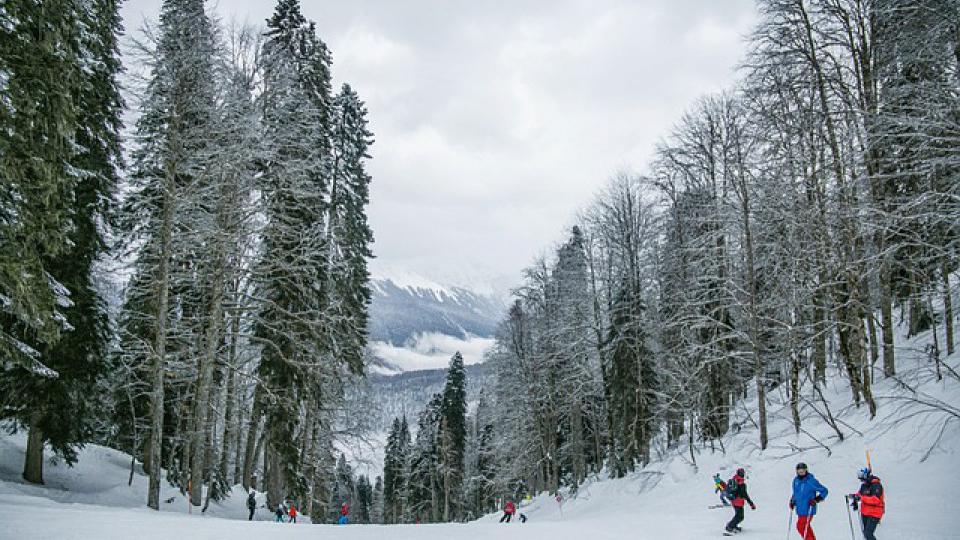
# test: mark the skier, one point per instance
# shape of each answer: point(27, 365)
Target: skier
point(279, 512)
point(870, 501)
point(807, 493)
point(252, 503)
point(344, 514)
point(293, 512)
point(508, 510)
point(737, 490)
point(523, 517)
point(719, 486)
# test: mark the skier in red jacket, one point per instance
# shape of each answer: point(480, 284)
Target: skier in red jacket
point(871, 503)
point(740, 497)
point(508, 510)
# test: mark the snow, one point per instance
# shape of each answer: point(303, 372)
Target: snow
point(416, 283)
point(914, 449)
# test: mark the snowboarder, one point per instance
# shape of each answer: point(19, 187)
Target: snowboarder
point(252, 503)
point(719, 486)
point(508, 510)
point(279, 512)
point(807, 493)
point(293, 512)
point(870, 502)
point(737, 490)
point(344, 514)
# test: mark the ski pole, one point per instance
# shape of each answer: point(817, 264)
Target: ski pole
point(849, 517)
point(789, 523)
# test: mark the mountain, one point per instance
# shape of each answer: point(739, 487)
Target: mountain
point(408, 393)
point(407, 306)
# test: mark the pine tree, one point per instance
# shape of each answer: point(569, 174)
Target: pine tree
point(395, 463)
point(377, 502)
point(348, 234)
point(453, 435)
point(169, 165)
point(293, 271)
point(41, 61)
point(64, 410)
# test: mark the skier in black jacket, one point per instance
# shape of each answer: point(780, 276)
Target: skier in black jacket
point(739, 497)
point(252, 503)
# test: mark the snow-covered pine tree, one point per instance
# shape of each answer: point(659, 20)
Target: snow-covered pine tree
point(915, 141)
point(63, 411)
point(42, 53)
point(395, 472)
point(364, 500)
point(424, 482)
point(623, 225)
point(343, 491)
point(575, 359)
point(223, 228)
point(347, 232)
point(170, 162)
point(453, 435)
point(293, 270)
point(480, 464)
point(376, 502)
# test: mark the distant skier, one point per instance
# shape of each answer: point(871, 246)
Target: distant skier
point(279, 513)
point(737, 490)
point(807, 493)
point(719, 486)
point(252, 503)
point(870, 502)
point(292, 512)
point(523, 517)
point(508, 510)
point(344, 514)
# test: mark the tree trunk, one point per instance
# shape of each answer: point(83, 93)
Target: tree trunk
point(795, 391)
point(886, 314)
point(147, 454)
point(229, 428)
point(948, 309)
point(819, 338)
point(33, 460)
point(252, 437)
point(160, 337)
point(872, 335)
point(204, 376)
point(274, 474)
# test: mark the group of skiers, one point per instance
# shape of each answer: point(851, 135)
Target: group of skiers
point(509, 509)
point(807, 493)
point(288, 510)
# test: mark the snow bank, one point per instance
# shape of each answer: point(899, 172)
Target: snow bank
point(914, 449)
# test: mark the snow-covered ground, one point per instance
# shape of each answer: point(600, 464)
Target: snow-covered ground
point(915, 449)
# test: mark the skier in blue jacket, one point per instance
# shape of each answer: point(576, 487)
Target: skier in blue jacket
point(807, 493)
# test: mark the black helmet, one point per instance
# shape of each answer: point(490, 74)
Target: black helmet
point(801, 465)
point(741, 472)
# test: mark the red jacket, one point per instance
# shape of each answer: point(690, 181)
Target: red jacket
point(871, 498)
point(741, 496)
point(293, 511)
point(509, 508)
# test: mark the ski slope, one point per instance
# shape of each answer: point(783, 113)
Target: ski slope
point(915, 450)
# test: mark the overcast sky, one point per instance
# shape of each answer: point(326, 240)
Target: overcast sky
point(496, 122)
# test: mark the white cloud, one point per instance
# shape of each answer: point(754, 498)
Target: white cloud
point(432, 351)
point(496, 121)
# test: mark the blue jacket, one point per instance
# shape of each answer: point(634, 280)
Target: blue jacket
point(805, 489)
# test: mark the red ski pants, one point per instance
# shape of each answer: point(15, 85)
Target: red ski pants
point(803, 526)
